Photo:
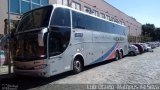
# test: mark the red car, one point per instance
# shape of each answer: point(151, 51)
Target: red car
point(140, 48)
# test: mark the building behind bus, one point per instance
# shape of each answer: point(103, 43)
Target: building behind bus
point(69, 40)
point(98, 8)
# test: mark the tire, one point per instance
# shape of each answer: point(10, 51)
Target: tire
point(121, 55)
point(132, 54)
point(77, 66)
point(117, 57)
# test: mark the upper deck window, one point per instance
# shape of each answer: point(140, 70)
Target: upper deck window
point(61, 17)
point(35, 19)
point(86, 22)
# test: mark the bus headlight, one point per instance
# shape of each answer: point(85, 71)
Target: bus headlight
point(40, 66)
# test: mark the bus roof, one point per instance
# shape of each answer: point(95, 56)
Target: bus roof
point(58, 5)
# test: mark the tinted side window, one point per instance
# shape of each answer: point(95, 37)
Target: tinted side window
point(118, 29)
point(61, 17)
point(101, 27)
point(74, 19)
point(82, 21)
point(59, 38)
point(107, 27)
point(78, 20)
point(111, 28)
point(91, 23)
point(94, 25)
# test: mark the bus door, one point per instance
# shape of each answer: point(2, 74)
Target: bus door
point(59, 38)
point(55, 52)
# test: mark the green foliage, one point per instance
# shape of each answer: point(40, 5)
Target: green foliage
point(150, 32)
point(146, 39)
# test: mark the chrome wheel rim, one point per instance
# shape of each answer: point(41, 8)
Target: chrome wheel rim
point(77, 65)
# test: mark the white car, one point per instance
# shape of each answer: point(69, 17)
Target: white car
point(133, 50)
point(149, 49)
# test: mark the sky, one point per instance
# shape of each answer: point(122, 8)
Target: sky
point(144, 11)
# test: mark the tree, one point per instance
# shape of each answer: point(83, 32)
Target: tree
point(150, 33)
point(148, 29)
point(157, 34)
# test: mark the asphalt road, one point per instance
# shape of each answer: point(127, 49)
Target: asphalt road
point(141, 69)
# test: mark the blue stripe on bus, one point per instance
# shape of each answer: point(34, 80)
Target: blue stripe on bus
point(105, 55)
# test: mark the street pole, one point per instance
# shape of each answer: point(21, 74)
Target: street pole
point(9, 28)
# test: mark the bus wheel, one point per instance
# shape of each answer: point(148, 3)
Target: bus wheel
point(117, 55)
point(77, 66)
point(120, 55)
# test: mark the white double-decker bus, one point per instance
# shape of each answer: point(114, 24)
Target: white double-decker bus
point(55, 39)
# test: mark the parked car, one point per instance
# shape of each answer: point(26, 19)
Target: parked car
point(144, 46)
point(152, 44)
point(140, 48)
point(133, 50)
point(149, 49)
point(157, 44)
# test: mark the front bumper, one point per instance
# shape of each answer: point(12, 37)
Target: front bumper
point(34, 73)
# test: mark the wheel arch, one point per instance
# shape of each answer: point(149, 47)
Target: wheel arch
point(118, 51)
point(77, 55)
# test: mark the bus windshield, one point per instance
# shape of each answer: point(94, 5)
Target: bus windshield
point(30, 46)
point(35, 19)
point(31, 36)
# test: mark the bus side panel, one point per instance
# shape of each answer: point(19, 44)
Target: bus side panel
point(104, 45)
point(82, 43)
point(55, 65)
